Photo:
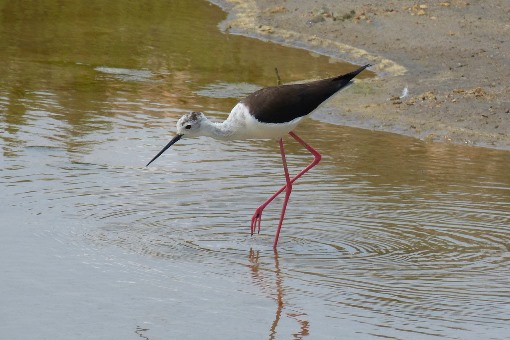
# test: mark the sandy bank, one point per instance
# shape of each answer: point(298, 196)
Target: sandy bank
point(453, 56)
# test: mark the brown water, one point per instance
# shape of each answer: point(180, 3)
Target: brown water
point(388, 237)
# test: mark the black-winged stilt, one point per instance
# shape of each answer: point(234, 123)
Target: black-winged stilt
point(268, 113)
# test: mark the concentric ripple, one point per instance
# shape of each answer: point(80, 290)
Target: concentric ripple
point(365, 243)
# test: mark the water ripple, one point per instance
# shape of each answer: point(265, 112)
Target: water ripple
point(362, 245)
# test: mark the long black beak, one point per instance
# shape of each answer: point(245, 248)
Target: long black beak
point(172, 142)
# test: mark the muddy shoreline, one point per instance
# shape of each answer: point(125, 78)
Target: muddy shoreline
point(452, 57)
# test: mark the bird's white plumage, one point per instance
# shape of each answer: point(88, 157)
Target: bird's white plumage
point(240, 124)
point(246, 126)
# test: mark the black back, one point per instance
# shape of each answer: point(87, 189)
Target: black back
point(280, 104)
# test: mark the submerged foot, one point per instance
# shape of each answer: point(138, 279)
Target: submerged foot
point(255, 220)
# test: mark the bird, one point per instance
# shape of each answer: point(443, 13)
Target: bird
point(269, 113)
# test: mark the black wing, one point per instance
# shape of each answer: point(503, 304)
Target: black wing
point(280, 104)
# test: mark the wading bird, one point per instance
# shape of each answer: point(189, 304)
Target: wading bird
point(269, 113)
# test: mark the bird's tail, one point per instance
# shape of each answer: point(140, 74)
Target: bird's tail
point(353, 74)
point(343, 80)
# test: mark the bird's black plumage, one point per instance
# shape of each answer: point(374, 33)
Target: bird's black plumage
point(284, 103)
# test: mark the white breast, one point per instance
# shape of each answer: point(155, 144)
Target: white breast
point(246, 126)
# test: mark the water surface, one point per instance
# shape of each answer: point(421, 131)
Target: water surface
point(387, 237)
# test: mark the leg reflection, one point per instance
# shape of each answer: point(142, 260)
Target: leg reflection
point(273, 286)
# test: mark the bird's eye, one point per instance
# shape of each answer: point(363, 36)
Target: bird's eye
point(187, 127)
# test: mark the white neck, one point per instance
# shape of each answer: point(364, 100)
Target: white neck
point(224, 130)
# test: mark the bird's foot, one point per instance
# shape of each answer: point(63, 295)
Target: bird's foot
point(255, 220)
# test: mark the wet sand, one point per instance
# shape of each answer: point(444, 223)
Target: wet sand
point(452, 56)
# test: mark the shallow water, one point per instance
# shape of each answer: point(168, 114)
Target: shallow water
point(387, 237)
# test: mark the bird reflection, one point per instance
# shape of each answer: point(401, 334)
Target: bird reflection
point(263, 277)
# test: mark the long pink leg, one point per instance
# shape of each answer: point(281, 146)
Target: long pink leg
point(288, 190)
point(257, 216)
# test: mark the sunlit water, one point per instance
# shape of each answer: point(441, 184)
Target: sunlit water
point(387, 237)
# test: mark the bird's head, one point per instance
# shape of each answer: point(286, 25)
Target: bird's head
point(188, 125)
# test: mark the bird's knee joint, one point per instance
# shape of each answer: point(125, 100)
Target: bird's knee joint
point(318, 158)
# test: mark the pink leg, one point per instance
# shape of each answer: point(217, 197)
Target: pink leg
point(288, 190)
point(257, 216)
